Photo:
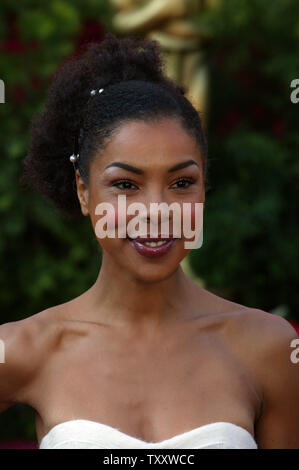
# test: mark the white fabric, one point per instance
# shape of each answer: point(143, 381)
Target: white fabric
point(86, 434)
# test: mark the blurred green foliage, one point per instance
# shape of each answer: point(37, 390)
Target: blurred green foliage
point(45, 259)
point(249, 249)
point(249, 243)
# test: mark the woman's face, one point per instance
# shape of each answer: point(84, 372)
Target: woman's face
point(151, 150)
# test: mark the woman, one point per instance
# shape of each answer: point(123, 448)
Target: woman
point(145, 358)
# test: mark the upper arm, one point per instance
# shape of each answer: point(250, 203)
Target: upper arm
point(20, 359)
point(278, 424)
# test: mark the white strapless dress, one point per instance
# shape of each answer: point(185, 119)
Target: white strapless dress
point(86, 434)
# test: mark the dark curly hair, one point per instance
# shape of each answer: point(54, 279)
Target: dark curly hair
point(131, 71)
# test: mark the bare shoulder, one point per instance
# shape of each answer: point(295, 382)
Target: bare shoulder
point(265, 330)
point(271, 342)
point(26, 344)
point(264, 338)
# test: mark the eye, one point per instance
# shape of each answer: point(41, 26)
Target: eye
point(127, 184)
point(182, 183)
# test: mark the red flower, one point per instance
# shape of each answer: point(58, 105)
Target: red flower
point(247, 79)
point(295, 325)
point(259, 113)
point(35, 81)
point(18, 444)
point(278, 128)
point(229, 121)
point(91, 31)
point(13, 46)
point(19, 94)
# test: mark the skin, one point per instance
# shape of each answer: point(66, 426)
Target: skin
point(145, 349)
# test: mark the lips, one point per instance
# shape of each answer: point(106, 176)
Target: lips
point(150, 239)
point(142, 240)
point(139, 245)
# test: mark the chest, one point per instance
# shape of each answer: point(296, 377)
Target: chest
point(152, 391)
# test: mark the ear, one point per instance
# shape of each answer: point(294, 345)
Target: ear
point(83, 193)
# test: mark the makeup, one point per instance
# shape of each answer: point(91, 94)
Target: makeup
point(152, 247)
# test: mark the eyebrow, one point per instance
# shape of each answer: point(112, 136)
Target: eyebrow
point(125, 166)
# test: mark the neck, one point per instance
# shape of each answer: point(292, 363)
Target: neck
point(125, 301)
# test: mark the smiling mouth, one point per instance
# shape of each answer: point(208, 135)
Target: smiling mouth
point(153, 242)
point(148, 238)
point(153, 239)
point(151, 247)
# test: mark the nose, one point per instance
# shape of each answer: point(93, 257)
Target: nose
point(157, 214)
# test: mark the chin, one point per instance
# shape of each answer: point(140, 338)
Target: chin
point(143, 268)
point(149, 272)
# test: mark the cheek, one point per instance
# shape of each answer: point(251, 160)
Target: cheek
point(193, 217)
point(112, 218)
point(104, 221)
point(120, 220)
point(115, 220)
point(197, 216)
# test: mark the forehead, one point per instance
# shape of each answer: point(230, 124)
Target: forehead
point(155, 139)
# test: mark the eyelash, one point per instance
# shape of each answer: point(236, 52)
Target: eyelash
point(189, 180)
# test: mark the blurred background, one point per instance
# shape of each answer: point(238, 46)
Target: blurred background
point(238, 58)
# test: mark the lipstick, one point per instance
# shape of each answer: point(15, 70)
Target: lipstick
point(143, 246)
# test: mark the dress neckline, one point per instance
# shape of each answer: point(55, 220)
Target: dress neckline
point(133, 438)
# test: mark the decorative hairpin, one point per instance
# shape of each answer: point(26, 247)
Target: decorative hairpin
point(75, 156)
point(93, 92)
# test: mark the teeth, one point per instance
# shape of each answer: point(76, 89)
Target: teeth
point(156, 243)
